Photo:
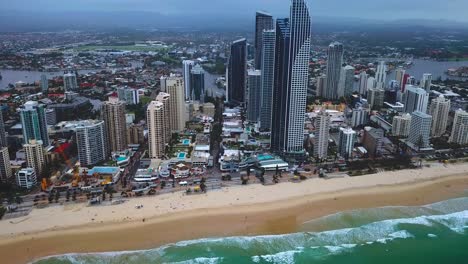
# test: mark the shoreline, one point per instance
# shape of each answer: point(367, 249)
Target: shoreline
point(282, 213)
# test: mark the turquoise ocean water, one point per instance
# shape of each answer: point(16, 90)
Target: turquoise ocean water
point(436, 233)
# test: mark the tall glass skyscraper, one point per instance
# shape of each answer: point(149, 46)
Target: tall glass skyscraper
point(197, 83)
point(237, 71)
point(33, 120)
point(263, 21)
point(268, 74)
point(334, 64)
point(291, 80)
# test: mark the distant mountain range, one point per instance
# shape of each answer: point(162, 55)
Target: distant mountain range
point(20, 21)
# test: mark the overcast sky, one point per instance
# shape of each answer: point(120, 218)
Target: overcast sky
point(373, 9)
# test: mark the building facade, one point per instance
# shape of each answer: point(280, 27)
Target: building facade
point(197, 83)
point(381, 75)
point(346, 85)
point(187, 68)
point(376, 97)
point(44, 83)
point(70, 82)
point(363, 80)
point(426, 82)
point(177, 114)
point(26, 178)
point(360, 116)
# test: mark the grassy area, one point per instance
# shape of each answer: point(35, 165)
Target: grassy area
point(122, 48)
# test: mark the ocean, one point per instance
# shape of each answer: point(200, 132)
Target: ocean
point(435, 233)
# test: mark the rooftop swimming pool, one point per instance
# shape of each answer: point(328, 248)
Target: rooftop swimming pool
point(103, 170)
point(181, 155)
point(264, 157)
point(186, 142)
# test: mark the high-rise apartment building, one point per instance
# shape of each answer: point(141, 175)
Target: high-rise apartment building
point(157, 127)
point(363, 80)
point(381, 75)
point(415, 99)
point(268, 79)
point(400, 76)
point(128, 95)
point(375, 97)
point(293, 38)
point(187, 68)
point(254, 81)
point(69, 81)
point(164, 98)
point(334, 65)
point(346, 142)
point(26, 178)
point(35, 156)
point(177, 113)
point(33, 120)
point(346, 85)
point(401, 125)
point(3, 140)
point(439, 110)
point(5, 167)
point(263, 21)
point(135, 134)
point(322, 134)
point(236, 72)
point(44, 83)
point(113, 114)
point(420, 130)
point(373, 141)
point(321, 84)
point(459, 133)
point(91, 142)
point(360, 116)
point(426, 82)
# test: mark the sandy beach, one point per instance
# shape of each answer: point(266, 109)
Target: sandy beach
point(243, 210)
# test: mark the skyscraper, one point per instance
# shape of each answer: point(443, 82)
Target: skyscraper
point(236, 72)
point(334, 64)
point(321, 85)
point(346, 84)
point(187, 68)
point(291, 80)
point(254, 80)
point(420, 130)
point(371, 83)
point(113, 114)
point(406, 77)
point(197, 83)
point(5, 167)
point(164, 98)
point(91, 142)
point(415, 99)
point(426, 82)
point(35, 156)
point(263, 21)
point(346, 142)
point(69, 81)
point(363, 80)
point(44, 83)
point(322, 134)
point(439, 110)
point(33, 120)
point(459, 133)
point(3, 140)
point(381, 75)
point(177, 115)
point(400, 76)
point(268, 78)
point(375, 97)
point(128, 95)
point(401, 125)
point(359, 117)
point(156, 129)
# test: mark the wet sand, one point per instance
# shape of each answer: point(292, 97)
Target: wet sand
point(244, 211)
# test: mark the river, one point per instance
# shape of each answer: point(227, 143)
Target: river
point(436, 68)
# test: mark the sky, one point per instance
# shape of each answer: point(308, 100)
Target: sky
point(366, 9)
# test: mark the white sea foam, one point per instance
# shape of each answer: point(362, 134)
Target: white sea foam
point(285, 257)
point(200, 261)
